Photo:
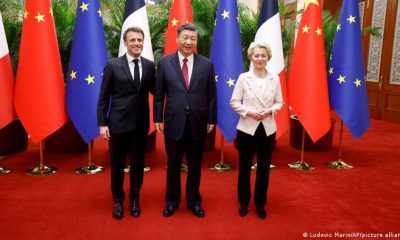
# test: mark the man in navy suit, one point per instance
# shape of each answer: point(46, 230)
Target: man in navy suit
point(123, 117)
point(187, 82)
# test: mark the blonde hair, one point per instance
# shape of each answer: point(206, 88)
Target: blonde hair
point(254, 45)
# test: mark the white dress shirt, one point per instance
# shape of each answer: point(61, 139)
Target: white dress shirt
point(189, 64)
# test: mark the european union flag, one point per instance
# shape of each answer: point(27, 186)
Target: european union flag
point(88, 58)
point(226, 55)
point(347, 89)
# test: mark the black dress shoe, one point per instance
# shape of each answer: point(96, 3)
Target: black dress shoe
point(118, 211)
point(135, 208)
point(243, 210)
point(169, 210)
point(261, 213)
point(197, 210)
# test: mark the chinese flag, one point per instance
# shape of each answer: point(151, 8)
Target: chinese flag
point(39, 90)
point(7, 113)
point(307, 86)
point(181, 13)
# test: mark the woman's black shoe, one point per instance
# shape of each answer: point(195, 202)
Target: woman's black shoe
point(243, 210)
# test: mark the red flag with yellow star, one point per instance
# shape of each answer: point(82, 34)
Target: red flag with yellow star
point(181, 13)
point(307, 85)
point(39, 90)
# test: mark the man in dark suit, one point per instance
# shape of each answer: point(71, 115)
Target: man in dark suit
point(187, 81)
point(123, 117)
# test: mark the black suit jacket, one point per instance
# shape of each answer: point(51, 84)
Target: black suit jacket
point(121, 107)
point(199, 99)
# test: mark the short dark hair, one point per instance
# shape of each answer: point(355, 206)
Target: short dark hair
point(133, 29)
point(188, 26)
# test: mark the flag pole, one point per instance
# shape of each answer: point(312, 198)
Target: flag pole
point(301, 164)
point(90, 168)
point(4, 170)
point(221, 166)
point(41, 169)
point(339, 164)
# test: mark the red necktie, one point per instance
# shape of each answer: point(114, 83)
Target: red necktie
point(185, 72)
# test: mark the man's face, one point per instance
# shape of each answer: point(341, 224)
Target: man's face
point(134, 43)
point(187, 42)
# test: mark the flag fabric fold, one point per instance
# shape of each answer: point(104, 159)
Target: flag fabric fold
point(39, 87)
point(87, 61)
point(347, 86)
point(136, 15)
point(269, 31)
point(181, 12)
point(307, 85)
point(7, 112)
point(226, 55)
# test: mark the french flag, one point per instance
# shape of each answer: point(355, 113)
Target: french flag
point(136, 15)
point(269, 31)
point(7, 112)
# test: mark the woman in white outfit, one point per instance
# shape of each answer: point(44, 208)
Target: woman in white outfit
point(257, 98)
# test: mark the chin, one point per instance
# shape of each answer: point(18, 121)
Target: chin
point(259, 67)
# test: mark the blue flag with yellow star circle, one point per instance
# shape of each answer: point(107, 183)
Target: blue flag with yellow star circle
point(88, 58)
point(347, 86)
point(226, 55)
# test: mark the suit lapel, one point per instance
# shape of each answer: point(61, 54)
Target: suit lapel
point(251, 83)
point(195, 69)
point(177, 67)
point(125, 67)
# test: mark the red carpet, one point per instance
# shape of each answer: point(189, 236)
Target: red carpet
point(66, 205)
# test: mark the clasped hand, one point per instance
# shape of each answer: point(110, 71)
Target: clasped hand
point(260, 115)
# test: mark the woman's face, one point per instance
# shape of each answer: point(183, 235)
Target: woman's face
point(259, 58)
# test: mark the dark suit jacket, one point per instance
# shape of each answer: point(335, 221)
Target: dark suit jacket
point(200, 99)
point(121, 107)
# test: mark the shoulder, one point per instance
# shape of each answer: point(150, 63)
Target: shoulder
point(243, 78)
point(273, 77)
point(114, 62)
point(165, 60)
point(245, 75)
point(147, 61)
point(168, 57)
point(202, 59)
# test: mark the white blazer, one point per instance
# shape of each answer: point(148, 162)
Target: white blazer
point(245, 97)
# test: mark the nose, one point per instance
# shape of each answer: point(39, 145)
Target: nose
point(189, 41)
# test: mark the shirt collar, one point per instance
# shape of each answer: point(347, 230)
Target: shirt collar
point(189, 58)
point(130, 58)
